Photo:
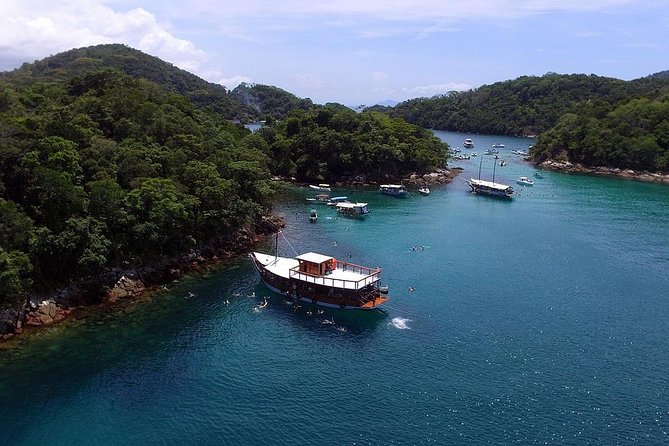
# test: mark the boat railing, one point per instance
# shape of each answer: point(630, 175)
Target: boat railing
point(370, 276)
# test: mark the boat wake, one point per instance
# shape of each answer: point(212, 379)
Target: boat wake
point(400, 323)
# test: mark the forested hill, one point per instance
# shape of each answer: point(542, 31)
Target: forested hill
point(525, 106)
point(268, 101)
point(80, 61)
point(106, 170)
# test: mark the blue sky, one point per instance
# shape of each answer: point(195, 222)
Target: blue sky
point(354, 51)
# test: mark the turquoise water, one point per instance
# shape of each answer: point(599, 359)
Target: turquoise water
point(541, 320)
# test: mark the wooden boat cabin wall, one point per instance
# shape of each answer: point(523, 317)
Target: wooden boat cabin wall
point(316, 264)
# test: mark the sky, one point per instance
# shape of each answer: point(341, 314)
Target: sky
point(354, 52)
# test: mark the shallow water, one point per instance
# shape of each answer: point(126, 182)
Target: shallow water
point(538, 320)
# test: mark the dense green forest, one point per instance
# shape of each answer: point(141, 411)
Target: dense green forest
point(245, 103)
point(269, 102)
point(107, 170)
point(328, 143)
point(632, 134)
point(528, 105)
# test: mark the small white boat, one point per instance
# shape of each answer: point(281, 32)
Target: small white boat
point(322, 186)
point(313, 216)
point(424, 190)
point(468, 143)
point(525, 181)
point(498, 146)
point(474, 154)
point(488, 152)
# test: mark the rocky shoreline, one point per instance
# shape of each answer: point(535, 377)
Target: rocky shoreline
point(126, 284)
point(637, 175)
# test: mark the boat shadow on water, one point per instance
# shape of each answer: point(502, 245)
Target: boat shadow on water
point(321, 319)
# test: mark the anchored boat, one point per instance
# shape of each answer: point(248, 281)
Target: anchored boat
point(321, 280)
point(396, 190)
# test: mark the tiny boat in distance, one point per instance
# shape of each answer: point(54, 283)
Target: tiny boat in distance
point(468, 144)
point(322, 186)
point(321, 280)
point(424, 190)
point(396, 190)
point(313, 216)
point(498, 146)
point(525, 181)
point(320, 198)
point(353, 209)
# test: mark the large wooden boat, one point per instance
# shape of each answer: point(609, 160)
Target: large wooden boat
point(396, 190)
point(321, 280)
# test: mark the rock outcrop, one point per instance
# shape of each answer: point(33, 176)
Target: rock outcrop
point(638, 175)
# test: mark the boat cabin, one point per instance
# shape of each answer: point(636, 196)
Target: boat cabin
point(316, 264)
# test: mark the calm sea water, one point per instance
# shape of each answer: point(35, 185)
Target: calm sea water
point(542, 320)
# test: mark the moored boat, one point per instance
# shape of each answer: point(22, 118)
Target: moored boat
point(334, 200)
point(313, 216)
point(525, 181)
point(353, 209)
point(498, 146)
point(424, 190)
point(468, 143)
point(321, 280)
point(322, 186)
point(396, 190)
point(320, 198)
point(491, 188)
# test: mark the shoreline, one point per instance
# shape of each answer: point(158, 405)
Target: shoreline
point(628, 174)
point(119, 285)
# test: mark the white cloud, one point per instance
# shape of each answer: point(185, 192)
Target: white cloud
point(380, 76)
point(31, 29)
point(431, 90)
point(231, 82)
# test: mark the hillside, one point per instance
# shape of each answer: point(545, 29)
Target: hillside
point(268, 101)
point(78, 62)
point(523, 106)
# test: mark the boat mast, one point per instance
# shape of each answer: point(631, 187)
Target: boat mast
point(276, 246)
point(494, 165)
point(480, 163)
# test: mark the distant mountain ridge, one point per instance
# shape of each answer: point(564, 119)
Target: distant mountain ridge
point(245, 103)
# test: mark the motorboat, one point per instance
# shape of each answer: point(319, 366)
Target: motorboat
point(498, 146)
point(468, 144)
point(320, 198)
point(321, 186)
point(424, 190)
point(525, 181)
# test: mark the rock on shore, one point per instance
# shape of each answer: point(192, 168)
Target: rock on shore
point(118, 284)
point(638, 175)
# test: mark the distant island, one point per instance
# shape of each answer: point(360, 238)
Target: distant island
point(586, 120)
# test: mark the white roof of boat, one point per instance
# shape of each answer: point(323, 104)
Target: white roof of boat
point(351, 205)
point(490, 184)
point(277, 265)
point(313, 257)
point(396, 186)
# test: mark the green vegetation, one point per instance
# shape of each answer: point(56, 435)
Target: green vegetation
point(105, 170)
point(593, 120)
point(331, 142)
point(81, 61)
point(269, 102)
point(633, 134)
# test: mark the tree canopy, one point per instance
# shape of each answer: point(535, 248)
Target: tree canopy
point(107, 170)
